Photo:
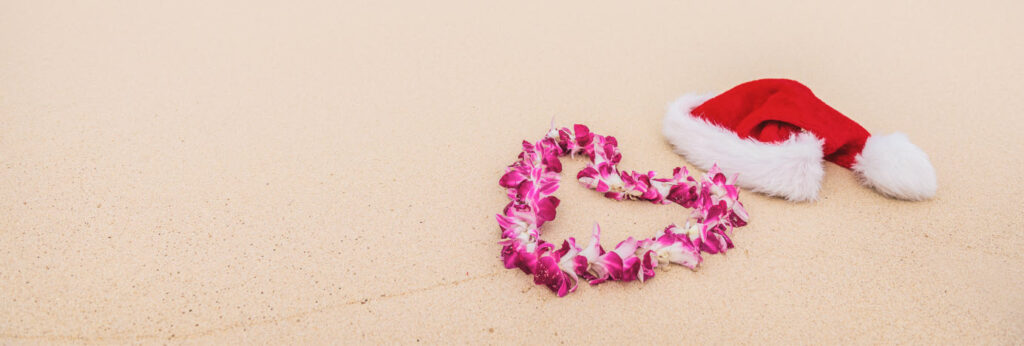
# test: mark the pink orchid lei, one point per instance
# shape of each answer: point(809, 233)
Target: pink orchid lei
point(533, 179)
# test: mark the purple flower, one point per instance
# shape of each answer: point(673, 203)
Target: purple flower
point(629, 264)
point(549, 274)
point(534, 177)
point(714, 240)
point(671, 247)
point(647, 267)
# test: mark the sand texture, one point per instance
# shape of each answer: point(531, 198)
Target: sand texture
point(228, 172)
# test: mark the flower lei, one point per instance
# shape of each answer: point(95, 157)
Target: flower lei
point(532, 180)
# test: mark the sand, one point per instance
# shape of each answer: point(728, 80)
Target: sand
point(327, 172)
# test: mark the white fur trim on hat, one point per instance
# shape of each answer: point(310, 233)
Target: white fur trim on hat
point(792, 169)
point(896, 168)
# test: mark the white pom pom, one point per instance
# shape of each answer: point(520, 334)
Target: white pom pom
point(896, 168)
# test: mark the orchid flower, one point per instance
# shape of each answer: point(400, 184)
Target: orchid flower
point(675, 248)
point(534, 177)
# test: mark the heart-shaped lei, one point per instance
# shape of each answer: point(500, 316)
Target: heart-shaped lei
point(534, 177)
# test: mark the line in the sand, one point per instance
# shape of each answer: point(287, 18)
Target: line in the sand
point(236, 325)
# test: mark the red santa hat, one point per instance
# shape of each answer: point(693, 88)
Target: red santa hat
point(775, 134)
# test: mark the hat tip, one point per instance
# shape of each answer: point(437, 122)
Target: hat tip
point(897, 168)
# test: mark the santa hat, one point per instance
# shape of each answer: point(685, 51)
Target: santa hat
point(775, 134)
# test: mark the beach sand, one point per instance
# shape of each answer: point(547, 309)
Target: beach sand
point(327, 172)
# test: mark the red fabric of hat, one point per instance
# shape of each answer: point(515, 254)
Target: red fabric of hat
point(775, 133)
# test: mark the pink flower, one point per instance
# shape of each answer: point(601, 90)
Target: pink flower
point(546, 209)
point(738, 215)
point(606, 148)
point(639, 186)
point(514, 255)
point(714, 240)
point(647, 267)
point(556, 270)
point(542, 211)
point(629, 264)
point(550, 151)
point(531, 181)
point(584, 139)
point(720, 186)
point(549, 274)
point(684, 189)
point(594, 267)
point(602, 178)
point(568, 256)
point(670, 247)
point(604, 268)
point(513, 177)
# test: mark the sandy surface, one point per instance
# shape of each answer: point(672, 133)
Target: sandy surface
point(328, 172)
